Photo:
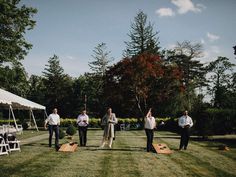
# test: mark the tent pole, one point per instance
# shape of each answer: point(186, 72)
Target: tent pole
point(14, 118)
point(30, 118)
point(9, 114)
point(45, 112)
point(34, 119)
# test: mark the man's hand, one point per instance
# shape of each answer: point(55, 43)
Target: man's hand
point(187, 126)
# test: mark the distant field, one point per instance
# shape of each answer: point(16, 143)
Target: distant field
point(127, 158)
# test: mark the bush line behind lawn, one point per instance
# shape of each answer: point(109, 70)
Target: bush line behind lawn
point(96, 122)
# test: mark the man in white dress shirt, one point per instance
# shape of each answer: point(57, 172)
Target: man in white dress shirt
point(53, 122)
point(185, 122)
point(149, 126)
point(82, 122)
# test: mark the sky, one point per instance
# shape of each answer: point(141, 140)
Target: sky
point(71, 29)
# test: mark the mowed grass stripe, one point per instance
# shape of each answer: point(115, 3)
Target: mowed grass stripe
point(83, 163)
point(33, 161)
point(201, 161)
point(127, 158)
point(118, 160)
point(151, 164)
point(214, 146)
point(162, 164)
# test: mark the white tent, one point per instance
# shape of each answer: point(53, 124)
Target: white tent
point(13, 101)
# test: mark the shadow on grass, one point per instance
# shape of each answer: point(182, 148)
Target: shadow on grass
point(215, 142)
point(167, 137)
point(130, 149)
point(37, 144)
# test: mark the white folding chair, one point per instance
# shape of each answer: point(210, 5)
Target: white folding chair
point(14, 144)
point(2, 130)
point(4, 148)
point(19, 129)
point(127, 127)
point(122, 126)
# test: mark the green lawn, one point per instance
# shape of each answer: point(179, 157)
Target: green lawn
point(29, 134)
point(127, 158)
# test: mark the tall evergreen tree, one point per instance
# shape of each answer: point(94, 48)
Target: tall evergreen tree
point(58, 87)
point(142, 37)
point(101, 60)
point(94, 84)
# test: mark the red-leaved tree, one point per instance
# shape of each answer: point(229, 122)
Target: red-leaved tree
point(135, 84)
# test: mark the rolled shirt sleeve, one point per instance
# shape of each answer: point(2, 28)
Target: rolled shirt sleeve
point(191, 122)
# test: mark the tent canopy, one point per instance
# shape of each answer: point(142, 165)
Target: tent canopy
point(17, 102)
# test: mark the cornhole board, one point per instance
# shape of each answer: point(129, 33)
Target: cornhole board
point(162, 148)
point(68, 147)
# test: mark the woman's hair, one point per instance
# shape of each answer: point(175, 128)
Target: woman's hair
point(108, 109)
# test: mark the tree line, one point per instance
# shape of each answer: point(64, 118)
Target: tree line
point(169, 81)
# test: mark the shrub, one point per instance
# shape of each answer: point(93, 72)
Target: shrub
point(94, 123)
point(167, 124)
point(170, 124)
point(71, 130)
point(6, 121)
point(68, 121)
point(61, 134)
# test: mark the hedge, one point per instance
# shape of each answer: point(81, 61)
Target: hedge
point(216, 121)
point(6, 121)
point(169, 123)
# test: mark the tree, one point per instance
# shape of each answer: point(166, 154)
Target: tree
point(15, 20)
point(94, 83)
point(58, 87)
point(220, 78)
point(101, 60)
point(135, 84)
point(36, 89)
point(167, 92)
point(142, 37)
point(185, 56)
point(14, 79)
point(85, 91)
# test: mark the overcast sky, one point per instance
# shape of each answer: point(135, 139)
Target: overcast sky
point(72, 28)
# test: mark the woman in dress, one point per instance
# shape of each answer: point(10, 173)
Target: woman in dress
point(108, 121)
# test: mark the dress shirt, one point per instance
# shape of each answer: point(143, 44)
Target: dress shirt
point(185, 120)
point(150, 123)
point(53, 119)
point(81, 118)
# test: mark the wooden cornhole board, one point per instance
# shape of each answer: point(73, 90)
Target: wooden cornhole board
point(162, 148)
point(68, 147)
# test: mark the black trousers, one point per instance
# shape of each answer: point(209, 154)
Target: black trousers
point(82, 135)
point(54, 128)
point(185, 134)
point(149, 134)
